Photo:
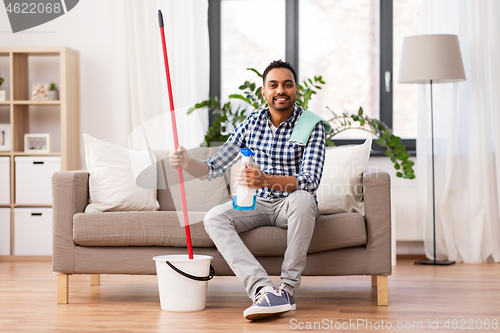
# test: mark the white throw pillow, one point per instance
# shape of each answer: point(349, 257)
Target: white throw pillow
point(113, 172)
point(340, 189)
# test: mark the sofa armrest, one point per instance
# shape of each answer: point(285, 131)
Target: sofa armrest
point(377, 200)
point(69, 196)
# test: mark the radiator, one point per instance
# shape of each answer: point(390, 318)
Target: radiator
point(406, 215)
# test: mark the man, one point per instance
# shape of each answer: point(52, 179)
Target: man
point(286, 177)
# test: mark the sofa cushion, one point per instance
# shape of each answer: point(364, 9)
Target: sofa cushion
point(164, 229)
point(341, 188)
point(138, 229)
point(331, 232)
point(113, 177)
point(201, 196)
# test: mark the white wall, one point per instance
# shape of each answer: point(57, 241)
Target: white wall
point(85, 28)
point(404, 194)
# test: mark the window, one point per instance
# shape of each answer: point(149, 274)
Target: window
point(340, 41)
point(349, 43)
point(406, 23)
point(252, 32)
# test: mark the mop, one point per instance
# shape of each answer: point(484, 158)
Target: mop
point(176, 139)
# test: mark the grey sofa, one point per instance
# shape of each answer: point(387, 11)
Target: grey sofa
point(126, 242)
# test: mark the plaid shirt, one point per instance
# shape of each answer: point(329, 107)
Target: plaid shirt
point(274, 155)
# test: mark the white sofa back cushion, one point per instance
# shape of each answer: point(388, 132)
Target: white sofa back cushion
point(340, 189)
point(112, 182)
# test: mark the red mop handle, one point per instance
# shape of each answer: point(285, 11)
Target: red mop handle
point(176, 139)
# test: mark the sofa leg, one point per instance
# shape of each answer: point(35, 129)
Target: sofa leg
point(374, 280)
point(95, 279)
point(62, 288)
point(382, 293)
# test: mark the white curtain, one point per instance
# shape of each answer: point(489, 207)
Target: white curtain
point(467, 136)
point(140, 89)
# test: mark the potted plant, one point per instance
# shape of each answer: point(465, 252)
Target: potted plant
point(3, 93)
point(53, 94)
point(226, 117)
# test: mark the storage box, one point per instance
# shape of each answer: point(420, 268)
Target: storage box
point(4, 231)
point(32, 231)
point(4, 180)
point(34, 178)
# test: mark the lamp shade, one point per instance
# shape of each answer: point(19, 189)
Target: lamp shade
point(431, 57)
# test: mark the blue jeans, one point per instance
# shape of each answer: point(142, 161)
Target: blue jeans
point(297, 213)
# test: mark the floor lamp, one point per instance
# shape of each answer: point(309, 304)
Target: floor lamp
point(431, 59)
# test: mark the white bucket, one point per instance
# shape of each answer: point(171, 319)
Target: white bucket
point(179, 293)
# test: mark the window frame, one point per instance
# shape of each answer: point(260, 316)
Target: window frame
point(292, 56)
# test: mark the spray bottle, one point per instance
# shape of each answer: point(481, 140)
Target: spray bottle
point(244, 197)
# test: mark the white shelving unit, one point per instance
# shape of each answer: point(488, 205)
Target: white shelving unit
point(29, 232)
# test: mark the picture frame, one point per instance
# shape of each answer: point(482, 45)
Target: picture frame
point(5, 137)
point(37, 143)
point(39, 92)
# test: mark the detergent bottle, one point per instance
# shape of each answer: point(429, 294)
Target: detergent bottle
point(244, 197)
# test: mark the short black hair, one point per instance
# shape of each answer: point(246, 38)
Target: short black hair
point(279, 64)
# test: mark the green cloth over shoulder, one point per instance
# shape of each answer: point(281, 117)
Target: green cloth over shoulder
point(304, 126)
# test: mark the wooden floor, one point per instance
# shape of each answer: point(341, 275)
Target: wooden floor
point(417, 294)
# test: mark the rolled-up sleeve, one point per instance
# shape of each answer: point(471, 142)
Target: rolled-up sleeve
point(312, 161)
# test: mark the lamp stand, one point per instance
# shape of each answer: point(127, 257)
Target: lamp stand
point(433, 261)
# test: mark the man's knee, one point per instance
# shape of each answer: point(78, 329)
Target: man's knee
point(215, 217)
point(303, 203)
point(302, 199)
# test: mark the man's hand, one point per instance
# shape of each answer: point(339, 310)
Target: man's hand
point(179, 157)
point(252, 177)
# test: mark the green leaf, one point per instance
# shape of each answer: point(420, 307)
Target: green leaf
point(394, 141)
point(236, 96)
point(387, 134)
point(329, 143)
point(399, 149)
point(407, 164)
point(252, 86)
point(259, 94)
point(404, 156)
point(360, 112)
point(397, 166)
point(300, 87)
point(255, 71)
point(399, 174)
point(382, 127)
point(210, 102)
point(388, 152)
point(381, 142)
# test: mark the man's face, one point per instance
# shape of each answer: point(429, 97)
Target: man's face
point(280, 90)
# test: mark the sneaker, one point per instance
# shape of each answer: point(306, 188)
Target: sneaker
point(289, 296)
point(267, 303)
